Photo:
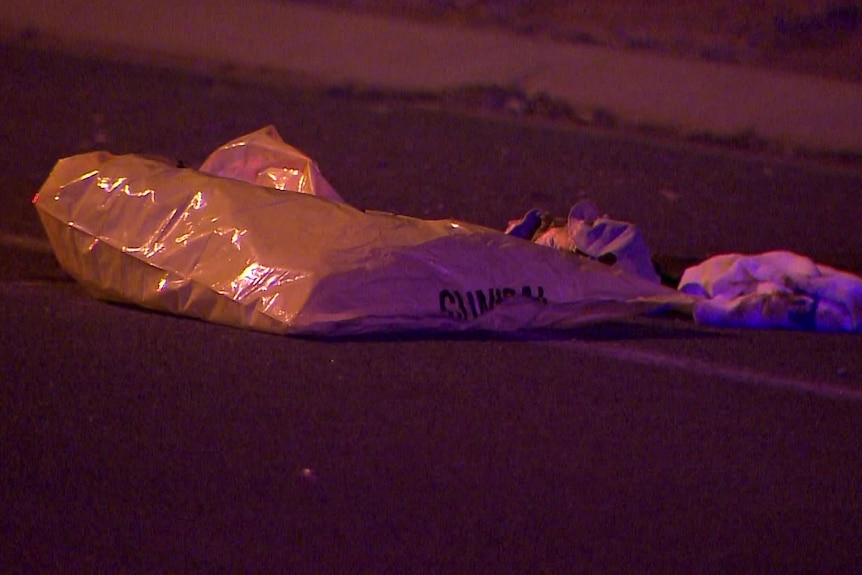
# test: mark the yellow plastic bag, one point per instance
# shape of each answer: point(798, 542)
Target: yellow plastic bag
point(223, 249)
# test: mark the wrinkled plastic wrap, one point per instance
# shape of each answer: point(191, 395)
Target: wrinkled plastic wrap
point(262, 158)
point(240, 246)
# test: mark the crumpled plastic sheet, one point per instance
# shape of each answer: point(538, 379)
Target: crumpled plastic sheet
point(264, 159)
point(239, 246)
point(777, 289)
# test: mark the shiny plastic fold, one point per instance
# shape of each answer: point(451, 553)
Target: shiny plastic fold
point(241, 246)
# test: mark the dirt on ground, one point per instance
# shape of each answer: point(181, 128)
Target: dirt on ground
point(818, 37)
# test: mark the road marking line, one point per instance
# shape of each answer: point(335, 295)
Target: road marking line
point(738, 374)
point(29, 243)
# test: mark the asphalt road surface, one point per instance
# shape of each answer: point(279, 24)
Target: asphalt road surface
point(138, 442)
